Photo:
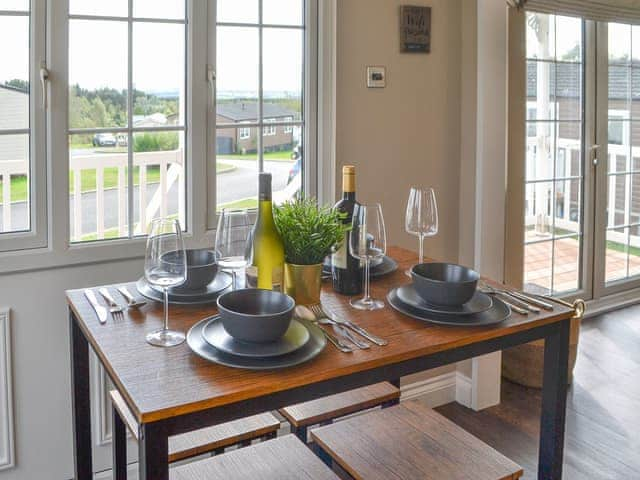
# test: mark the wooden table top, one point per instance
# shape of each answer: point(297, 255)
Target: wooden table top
point(160, 383)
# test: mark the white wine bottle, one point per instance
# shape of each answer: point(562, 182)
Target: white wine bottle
point(268, 250)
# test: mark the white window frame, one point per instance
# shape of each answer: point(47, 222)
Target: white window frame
point(288, 128)
point(269, 130)
point(49, 246)
point(244, 133)
point(36, 236)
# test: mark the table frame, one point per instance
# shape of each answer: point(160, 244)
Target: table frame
point(153, 436)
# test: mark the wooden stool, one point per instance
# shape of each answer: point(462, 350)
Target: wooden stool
point(324, 410)
point(410, 441)
point(285, 458)
point(211, 439)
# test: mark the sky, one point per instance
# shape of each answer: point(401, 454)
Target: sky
point(98, 49)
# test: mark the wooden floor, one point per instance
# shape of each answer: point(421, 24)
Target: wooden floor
point(603, 414)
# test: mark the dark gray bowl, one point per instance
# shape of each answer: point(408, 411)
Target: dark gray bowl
point(254, 315)
point(444, 283)
point(202, 267)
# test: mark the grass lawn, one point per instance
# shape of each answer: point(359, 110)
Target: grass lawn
point(283, 156)
point(243, 203)
point(19, 184)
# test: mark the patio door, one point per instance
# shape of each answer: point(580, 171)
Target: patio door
point(617, 163)
point(574, 228)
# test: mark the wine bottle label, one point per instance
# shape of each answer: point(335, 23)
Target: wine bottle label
point(339, 257)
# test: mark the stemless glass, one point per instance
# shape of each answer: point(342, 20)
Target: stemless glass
point(367, 240)
point(165, 266)
point(234, 230)
point(421, 218)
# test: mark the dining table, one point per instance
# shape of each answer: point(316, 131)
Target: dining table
point(172, 390)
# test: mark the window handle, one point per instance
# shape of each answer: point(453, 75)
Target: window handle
point(594, 150)
point(211, 80)
point(44, 78)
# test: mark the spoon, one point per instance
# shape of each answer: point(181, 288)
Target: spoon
point(304, 313)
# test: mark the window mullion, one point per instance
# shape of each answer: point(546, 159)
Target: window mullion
point(130, 188)
point(260, 131)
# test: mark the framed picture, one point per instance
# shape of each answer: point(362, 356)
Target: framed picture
point(415, 29)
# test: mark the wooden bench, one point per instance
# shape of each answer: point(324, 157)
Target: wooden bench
point(211, 439)
point(409, 441)
point(285, 458)
point(324, 410)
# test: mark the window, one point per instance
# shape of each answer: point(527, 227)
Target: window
point(244, 133)
point(269, 129)
point(127, 134)
point(261, 68)
point(554, 177)
point(22, 160)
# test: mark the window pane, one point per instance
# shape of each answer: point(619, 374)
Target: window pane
point(541, 90)
point(540, 36)
point(567, 209)
point(619, 43)
point(538, 221)
point(15, 5)
point(568, 161)
point(158, 74)
point(98, 186)
point(283, 158)
point(159, 178)
point(617, 254)
point(569, 39)
point(566, 264)
point(540, 152)
point(237, 11)
point(568, 93)
point(282, 73)
point(283, 12)
point(14, 184)
point(14, 72)
point(537, 275)
point(111, 8)
point(236, 168)
point(97, 74)
point(171, 9)
point(237, 78)
point(619, 92)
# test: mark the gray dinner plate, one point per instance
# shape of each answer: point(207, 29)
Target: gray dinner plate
point(480, 302)
point(311, 349)
point(386, 266)
point(197, 297)
point(498, 312)
point(294, 338)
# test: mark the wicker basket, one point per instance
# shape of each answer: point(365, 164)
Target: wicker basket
point(523, 364)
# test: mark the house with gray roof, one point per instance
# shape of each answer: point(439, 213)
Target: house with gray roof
point(239, 139)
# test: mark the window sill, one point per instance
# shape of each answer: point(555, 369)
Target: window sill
point(22, 261)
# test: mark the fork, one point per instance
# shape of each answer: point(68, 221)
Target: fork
point(324, 319)
point(114, 308)
point(350, 325)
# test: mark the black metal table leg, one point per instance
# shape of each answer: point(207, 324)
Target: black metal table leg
point(83, 465)
point(119, 447)
point(153, 451)
point(554, 401)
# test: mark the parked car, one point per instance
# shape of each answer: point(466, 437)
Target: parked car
point(104, 140)
point(295, 169)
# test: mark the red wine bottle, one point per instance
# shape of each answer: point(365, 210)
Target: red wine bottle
point(346, 271)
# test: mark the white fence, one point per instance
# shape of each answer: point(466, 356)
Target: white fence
point(171, 170)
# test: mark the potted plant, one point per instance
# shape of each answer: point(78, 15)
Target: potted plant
point(309, 233)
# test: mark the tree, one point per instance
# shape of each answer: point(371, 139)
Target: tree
point(18, 84)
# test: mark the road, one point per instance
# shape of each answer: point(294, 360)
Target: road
point(234, 185)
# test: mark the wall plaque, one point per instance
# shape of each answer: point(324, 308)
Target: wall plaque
point(415, 29)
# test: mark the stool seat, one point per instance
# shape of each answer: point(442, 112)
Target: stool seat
point(285, 458)
point(410, 441)
point(341, 404)
point(208, 439)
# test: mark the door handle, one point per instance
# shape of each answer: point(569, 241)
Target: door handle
point(594, 150)
point(211, 80)
point(44, 79)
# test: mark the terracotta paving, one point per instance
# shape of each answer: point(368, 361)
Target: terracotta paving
point(538, 258)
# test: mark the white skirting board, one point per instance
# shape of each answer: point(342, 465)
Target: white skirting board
point(7, 453)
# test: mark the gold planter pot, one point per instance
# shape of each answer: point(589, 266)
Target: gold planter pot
point(303, 283)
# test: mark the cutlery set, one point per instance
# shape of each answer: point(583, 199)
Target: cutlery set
point(518, 301)
point(114, 308)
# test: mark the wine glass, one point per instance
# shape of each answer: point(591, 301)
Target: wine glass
point(421, 218)
point(165, 266)
point(367, 240)
point(234, 230)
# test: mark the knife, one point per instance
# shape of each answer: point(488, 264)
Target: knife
point(101, 311)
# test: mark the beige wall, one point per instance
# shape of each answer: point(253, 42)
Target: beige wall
point(408, 133)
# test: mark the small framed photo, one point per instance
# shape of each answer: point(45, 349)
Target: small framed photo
point(376, 77)
point(415, 29)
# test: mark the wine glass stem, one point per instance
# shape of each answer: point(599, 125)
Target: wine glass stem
point(367, 293)
point(234, 279)
point(166, 308)
point(421, 249)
